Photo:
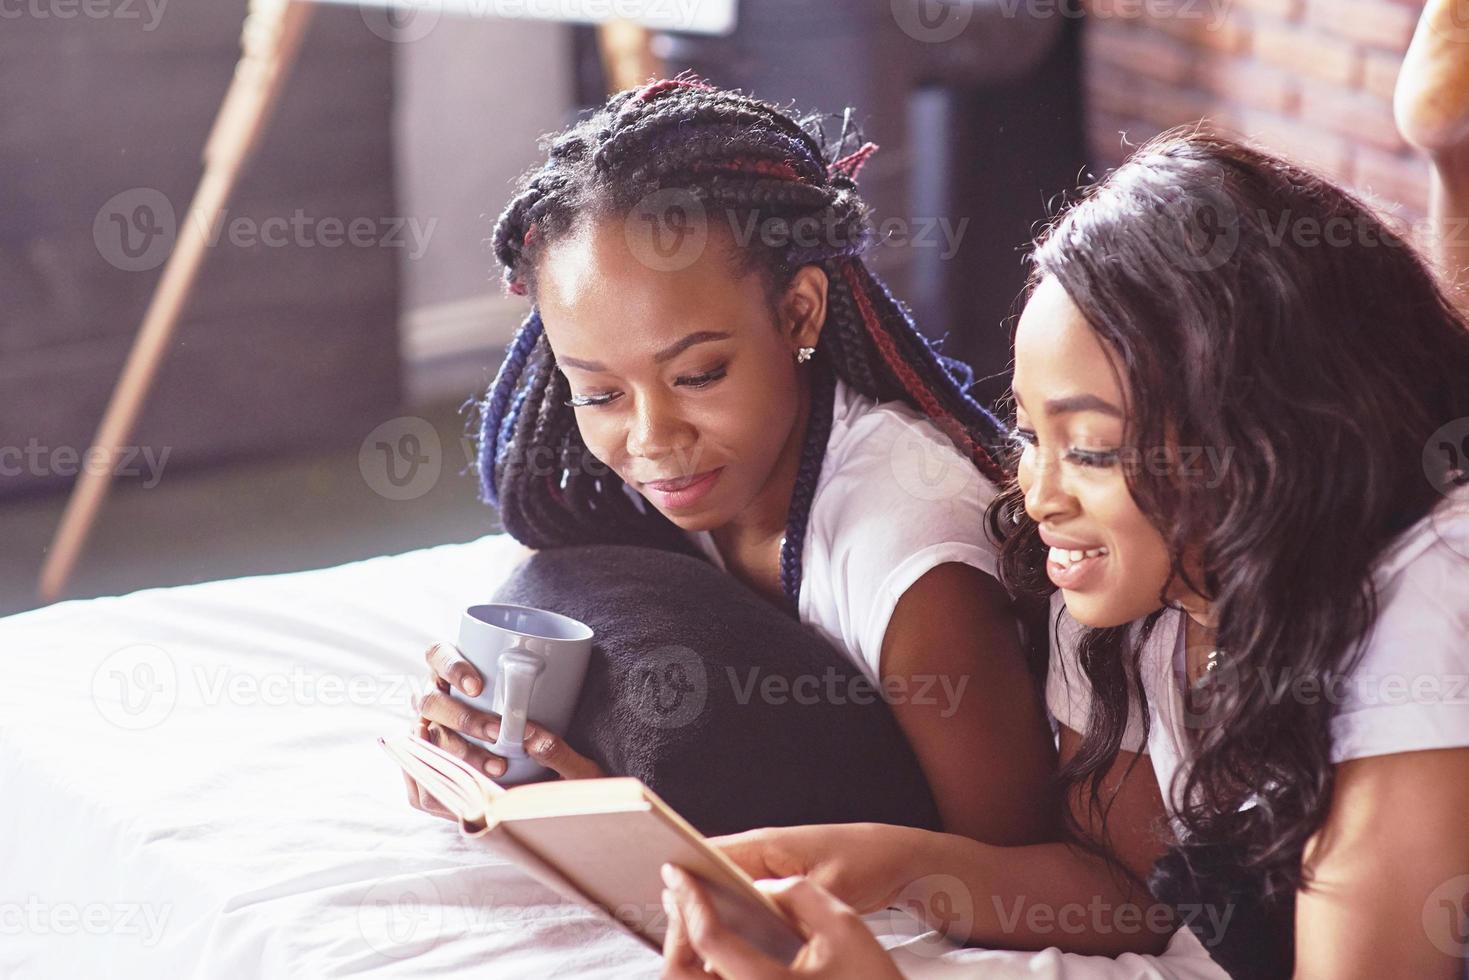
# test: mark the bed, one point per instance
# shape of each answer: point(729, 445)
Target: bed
point(189, 787)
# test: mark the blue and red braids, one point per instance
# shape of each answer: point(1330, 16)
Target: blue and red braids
point(746, 160)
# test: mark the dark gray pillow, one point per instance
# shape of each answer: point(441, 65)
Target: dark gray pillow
point(727, 707)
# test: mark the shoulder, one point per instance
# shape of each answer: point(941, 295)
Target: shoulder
point(1409, 687)
point(894, 501)
point(892, 483)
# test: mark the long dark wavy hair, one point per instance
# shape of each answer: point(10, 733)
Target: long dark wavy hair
point(1254, 307)
point(750, 164)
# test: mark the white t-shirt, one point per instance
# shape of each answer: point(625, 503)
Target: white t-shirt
point(1408, 692)
point(895, 499)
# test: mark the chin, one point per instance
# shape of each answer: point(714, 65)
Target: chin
point(704, 518)
point(1101, 612)
point(693, 523)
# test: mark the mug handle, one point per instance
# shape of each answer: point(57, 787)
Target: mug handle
point(519, 667)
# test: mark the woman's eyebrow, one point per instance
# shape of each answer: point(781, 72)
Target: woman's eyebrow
point(666, 354)
point(698, 337)
point(1082, 403)
point(597, 367)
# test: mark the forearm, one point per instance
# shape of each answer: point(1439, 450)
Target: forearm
point(1031, 897)
point(1449, 221)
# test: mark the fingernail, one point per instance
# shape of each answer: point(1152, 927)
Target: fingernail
point(672, 877)
point(495, 767)
point(471, 686)
point(533, 745)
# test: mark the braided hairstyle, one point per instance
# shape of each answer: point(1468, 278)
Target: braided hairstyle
point(749, 162)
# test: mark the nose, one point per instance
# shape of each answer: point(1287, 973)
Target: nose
point(1041, 479)
point(657, 428)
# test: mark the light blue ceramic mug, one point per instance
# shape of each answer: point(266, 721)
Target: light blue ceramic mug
point(533, 663)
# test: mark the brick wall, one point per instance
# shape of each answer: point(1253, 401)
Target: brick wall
point(1311, 79)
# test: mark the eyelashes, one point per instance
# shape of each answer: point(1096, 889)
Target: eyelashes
point(591, 401)
point(1099, 459)
point(695, 381)
point(1023, 439)
point(702, 380)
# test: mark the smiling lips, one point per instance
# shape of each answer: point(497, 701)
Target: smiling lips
point(682, 491)
point(1074, 568)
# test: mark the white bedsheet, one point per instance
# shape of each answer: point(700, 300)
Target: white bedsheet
point(189, 787)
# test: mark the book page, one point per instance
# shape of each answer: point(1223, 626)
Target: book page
point(615, 859)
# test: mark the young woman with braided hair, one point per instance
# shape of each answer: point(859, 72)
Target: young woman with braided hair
point(761, 399)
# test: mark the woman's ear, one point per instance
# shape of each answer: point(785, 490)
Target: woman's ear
point(803, 307)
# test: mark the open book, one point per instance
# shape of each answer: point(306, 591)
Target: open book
point(600, 842)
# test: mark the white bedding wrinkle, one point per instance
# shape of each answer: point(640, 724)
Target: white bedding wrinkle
point(191, 789)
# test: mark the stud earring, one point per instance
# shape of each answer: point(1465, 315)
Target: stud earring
point(803, 354)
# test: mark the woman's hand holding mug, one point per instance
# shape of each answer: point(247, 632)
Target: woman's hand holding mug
point(538, 660)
